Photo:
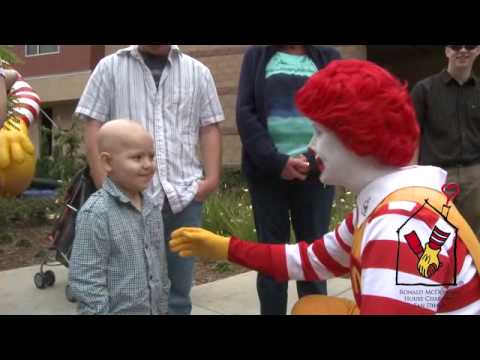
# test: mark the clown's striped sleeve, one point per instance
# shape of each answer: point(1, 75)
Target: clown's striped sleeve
point(324, 259)
point(26, 101)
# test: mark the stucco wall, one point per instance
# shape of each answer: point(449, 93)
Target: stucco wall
point(224, 62)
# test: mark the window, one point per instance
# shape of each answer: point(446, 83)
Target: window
point(36, 50)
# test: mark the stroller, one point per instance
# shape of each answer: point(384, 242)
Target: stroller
point(63, 231)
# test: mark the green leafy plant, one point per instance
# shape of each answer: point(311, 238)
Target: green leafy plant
point(66, 158)
point(41, 253)
point(223, 267)
point(343, 204)
point(6, 238)
point(17, 212)
point(229, 211)
point(7, 54)
point(24, 243)
point(8, 57)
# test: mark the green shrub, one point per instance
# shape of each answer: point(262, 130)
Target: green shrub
point(233, 181)
point(27, 212)
point(7, 53)
point(342, 205)
point(6, 238)
point(24, 243)
point(41, 253)
point(229, 212)
point(66, 158)
point(223, 267)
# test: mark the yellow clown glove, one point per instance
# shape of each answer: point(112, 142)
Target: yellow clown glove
point(17, 158)
point(429, 262)
point(199, 242)
point(15, 144)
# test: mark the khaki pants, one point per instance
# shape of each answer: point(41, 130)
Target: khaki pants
point(324, 305)
point(468, 202)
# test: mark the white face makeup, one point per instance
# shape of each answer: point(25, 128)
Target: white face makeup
point(340, 166)
point(334, 160)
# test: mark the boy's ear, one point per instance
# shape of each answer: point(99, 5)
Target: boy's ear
point(106, 160)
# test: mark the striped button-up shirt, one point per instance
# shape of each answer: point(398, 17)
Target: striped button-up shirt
point(186, 99)
point(118, 262)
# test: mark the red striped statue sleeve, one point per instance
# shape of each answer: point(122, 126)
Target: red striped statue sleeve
point(26, 101)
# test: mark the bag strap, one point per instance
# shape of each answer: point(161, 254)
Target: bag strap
point(437, 200)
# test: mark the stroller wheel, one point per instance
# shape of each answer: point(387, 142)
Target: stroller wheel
point(69, 295)
point(49, 278)
point(40, 281)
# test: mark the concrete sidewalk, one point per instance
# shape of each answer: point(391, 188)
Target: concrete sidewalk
point(233, 296)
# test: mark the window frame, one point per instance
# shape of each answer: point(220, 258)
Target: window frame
point(43, 53)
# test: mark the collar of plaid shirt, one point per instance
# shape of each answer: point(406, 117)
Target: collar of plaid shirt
point(113, 190)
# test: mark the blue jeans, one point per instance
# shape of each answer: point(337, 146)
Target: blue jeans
point(180, 270)
point(277, 204)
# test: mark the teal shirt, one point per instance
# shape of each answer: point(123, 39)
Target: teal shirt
point(285, 75)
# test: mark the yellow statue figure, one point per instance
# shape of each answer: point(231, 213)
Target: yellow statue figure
point(17, 153)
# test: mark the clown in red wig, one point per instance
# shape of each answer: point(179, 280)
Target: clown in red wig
point(366, 137)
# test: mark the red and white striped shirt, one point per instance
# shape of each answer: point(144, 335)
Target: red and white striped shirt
point(386, 266)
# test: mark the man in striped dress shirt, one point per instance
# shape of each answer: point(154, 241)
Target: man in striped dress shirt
point(174, 97)
point(404, 253)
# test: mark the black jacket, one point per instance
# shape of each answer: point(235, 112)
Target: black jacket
point(260, 158)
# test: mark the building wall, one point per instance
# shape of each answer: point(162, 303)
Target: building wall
point(60, 87)
point(428, 60)
point(61, 92)
point(71, 58)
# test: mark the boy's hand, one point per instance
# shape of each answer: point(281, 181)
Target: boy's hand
point(15, 143)
point(199, 242)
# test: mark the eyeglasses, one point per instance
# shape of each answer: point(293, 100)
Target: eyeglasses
point(460, 47)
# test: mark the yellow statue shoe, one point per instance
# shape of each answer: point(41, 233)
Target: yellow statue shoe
point(17, 158)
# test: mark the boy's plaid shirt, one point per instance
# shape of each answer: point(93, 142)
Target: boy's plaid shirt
point(118, 263)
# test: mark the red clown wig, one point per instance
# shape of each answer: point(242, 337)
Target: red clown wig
point(366, 107)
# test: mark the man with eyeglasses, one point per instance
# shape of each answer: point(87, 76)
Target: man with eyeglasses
point(448, 111)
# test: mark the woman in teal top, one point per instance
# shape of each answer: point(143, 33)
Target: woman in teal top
point(276, 138)
point(285, 74)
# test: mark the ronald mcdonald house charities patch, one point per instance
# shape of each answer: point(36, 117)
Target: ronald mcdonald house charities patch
point(426, 251)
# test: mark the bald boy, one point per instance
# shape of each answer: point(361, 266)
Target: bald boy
point(115, 134)
point(120, 143)
point(118, 262)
